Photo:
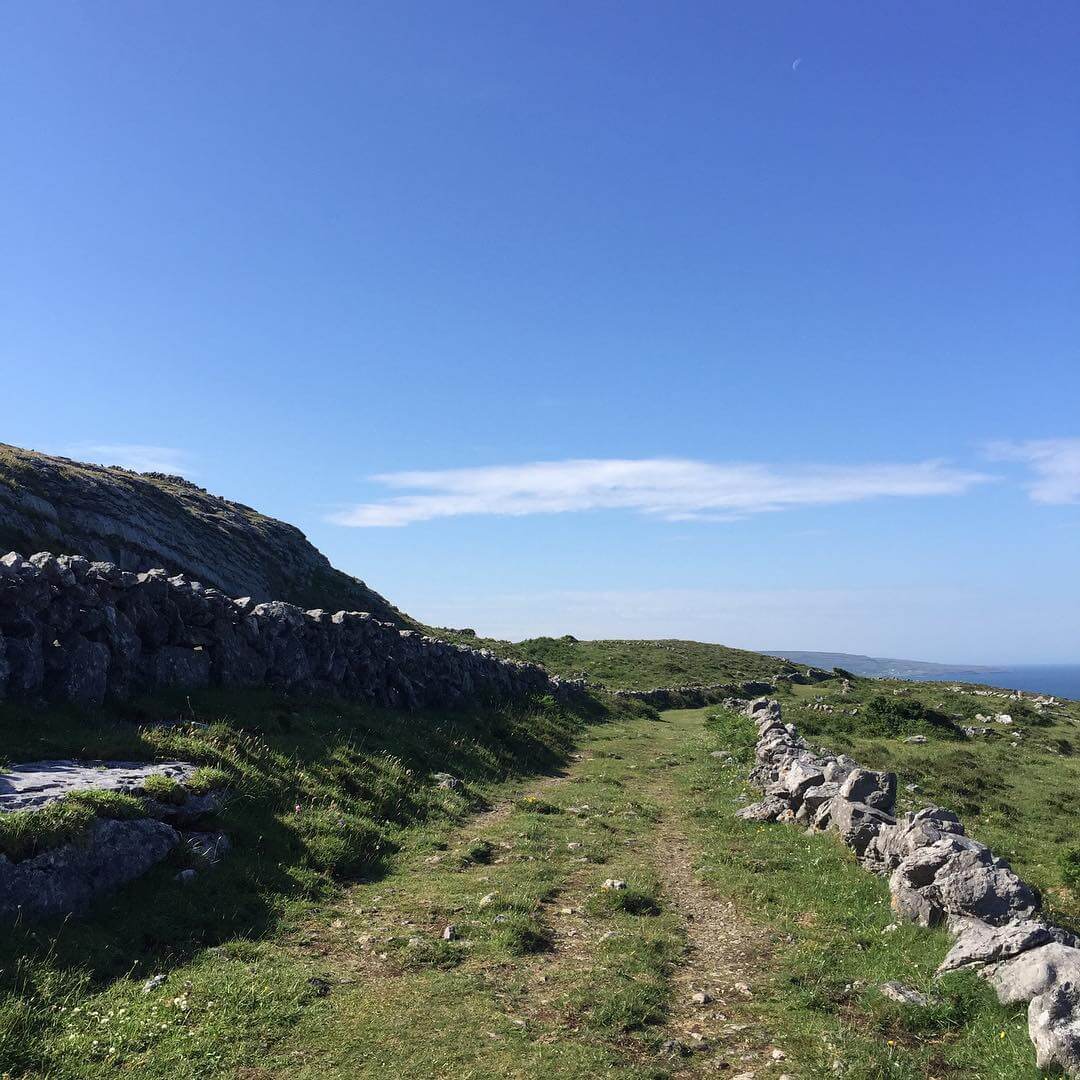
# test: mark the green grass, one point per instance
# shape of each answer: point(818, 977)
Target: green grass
point(322, 794)
point(1021, 800)
point(636, 665)
point(316, 949)
point(834, 940)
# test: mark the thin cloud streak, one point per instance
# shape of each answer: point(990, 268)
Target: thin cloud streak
point(136, 456)
point(668, 488)
point(1055, 463)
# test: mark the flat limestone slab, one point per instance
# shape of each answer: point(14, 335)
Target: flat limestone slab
point(35, 784)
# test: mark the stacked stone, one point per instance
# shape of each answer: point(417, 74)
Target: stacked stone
point(72, 630)
point(693, 696)
point(937, 876)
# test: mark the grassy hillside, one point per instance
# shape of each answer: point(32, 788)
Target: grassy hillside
point(145, 520)
point(319, 947)
point(637, 665)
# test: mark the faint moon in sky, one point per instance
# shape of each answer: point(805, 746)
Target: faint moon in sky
point(795, 65)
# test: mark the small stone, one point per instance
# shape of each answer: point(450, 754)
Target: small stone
point(186, 877)
point(905, 995)
point(487, 901)
point(450, 933)
point(674, 1048)
point(153, 983)
point(613, 884)
point(701, 998)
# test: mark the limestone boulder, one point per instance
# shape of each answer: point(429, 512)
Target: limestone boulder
point(1054, 1027)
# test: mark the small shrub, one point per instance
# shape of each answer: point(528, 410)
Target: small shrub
point(735, 733)
point(897, 716)
point(1069, 862)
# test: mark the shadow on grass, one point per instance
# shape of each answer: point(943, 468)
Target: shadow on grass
point(320, 794)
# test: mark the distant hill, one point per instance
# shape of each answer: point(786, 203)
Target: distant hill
point(639, 665)
point(145, 520)
point(881, 666)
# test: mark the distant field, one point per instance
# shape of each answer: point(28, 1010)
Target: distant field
point(639, 665)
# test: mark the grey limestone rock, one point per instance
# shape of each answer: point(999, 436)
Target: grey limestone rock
point(980, 943)
point(876, 789)
point(68, 878)
point(1054, 1027)
point(1026, 976)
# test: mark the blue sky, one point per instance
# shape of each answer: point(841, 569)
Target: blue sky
point(602, 318)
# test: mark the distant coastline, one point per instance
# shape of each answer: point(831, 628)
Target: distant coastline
point(1060, 680)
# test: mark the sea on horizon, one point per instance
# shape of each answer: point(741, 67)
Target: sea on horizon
point(1060, 680)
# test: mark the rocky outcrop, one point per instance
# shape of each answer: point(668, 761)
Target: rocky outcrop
point(35, 784)
point(76, 631)
point(937, 875)
point(139, 521)
point(66, 879)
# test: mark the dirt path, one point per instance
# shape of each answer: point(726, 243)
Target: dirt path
point(535, 950)
point(717, 973)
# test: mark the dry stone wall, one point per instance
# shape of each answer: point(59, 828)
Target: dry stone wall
point(937, 876)
point(694, 697)
point(72, 630)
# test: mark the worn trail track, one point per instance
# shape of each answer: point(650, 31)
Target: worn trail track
point(706, 1029)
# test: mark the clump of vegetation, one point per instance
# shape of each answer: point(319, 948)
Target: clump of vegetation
point(432, 953)
point(26, 833)
point(476, 851)
point(1069, 862)
point(520, 933)
point(533, 804)
point(628, 901)
point(164, 789)
point(897, 716)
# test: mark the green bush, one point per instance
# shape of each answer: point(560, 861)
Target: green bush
point(897, 716)
point(1069, 862)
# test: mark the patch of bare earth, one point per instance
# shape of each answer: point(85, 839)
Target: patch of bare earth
point(709, 1023)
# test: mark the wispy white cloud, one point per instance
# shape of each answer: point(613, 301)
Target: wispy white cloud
point(137, 456)
point(1055, 463)
point(672, 489)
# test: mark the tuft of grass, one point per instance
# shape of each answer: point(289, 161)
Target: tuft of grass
point(533, 804)
point(605, 903)
point(164, 789)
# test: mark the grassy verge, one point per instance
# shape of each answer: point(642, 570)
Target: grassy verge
point(1014, 788)
point(835, 941)
point(546, 973)
point(322, 794)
